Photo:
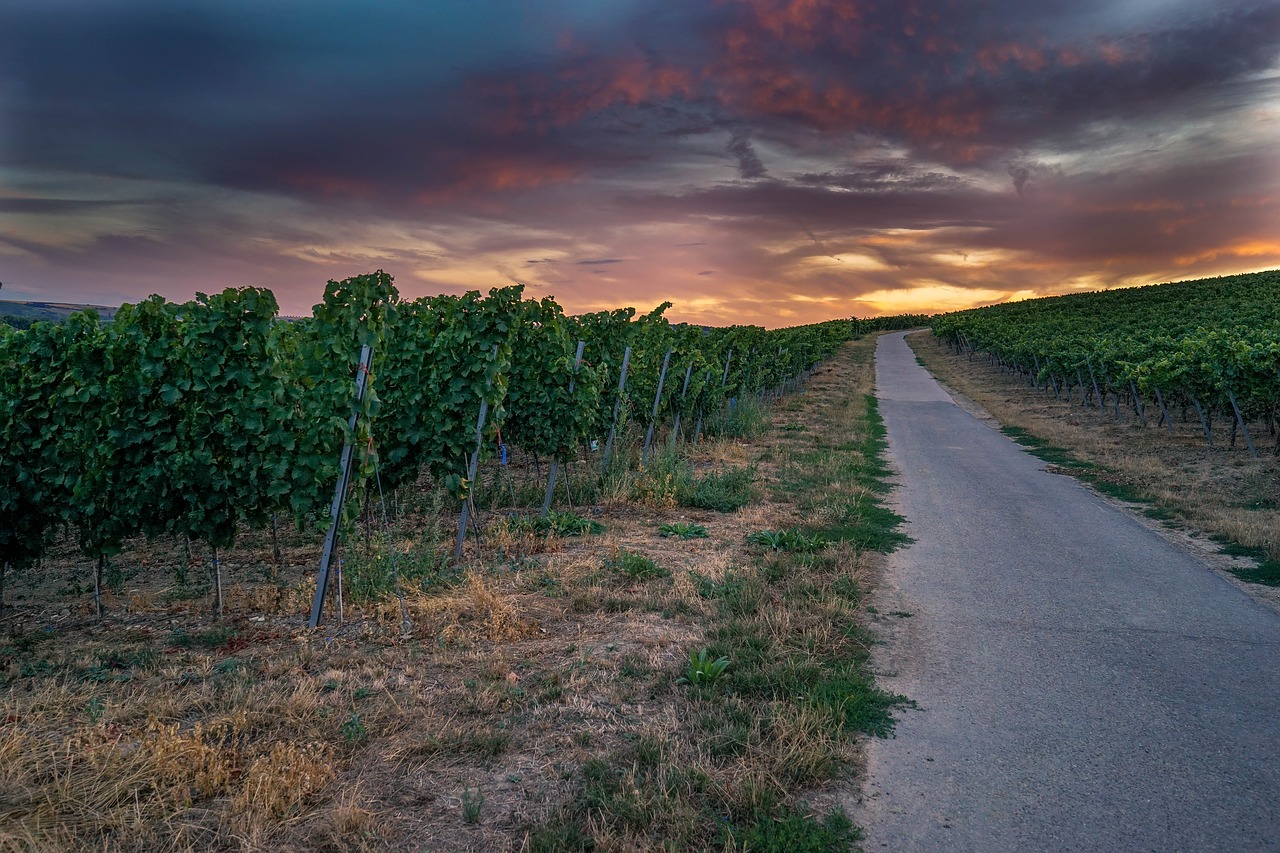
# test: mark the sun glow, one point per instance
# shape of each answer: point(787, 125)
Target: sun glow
point(938, 297)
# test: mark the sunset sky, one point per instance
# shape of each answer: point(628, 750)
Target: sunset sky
point(759, 161)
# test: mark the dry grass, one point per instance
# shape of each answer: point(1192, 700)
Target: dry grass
point(721, 451)
point(259, 736)
point(1222, 492)
point(463, 721)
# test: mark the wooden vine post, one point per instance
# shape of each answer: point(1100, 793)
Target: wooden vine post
point(657, 402)
point(617, 409)
point(684, 392)
point(697, 430)
point(555, 463)
point(340, 490)
point(472, 466)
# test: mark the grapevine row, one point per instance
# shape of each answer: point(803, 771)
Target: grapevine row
point(200, 418)
point(1211, 346)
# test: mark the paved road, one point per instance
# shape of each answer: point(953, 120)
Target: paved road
point(1083, 683)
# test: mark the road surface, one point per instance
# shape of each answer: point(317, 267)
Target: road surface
point(1083, 684)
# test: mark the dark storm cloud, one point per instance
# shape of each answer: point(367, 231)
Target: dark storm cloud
point(217, 91)
point(953, 79)
point(122, 91)
point(295, 99)
point(313, 138)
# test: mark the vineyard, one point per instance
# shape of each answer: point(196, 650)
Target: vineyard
point(1150, 354)
point(205, 418)
point(596, 581)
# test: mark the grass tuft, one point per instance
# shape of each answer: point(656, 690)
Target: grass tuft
point(793, 831)
point(669, 480)
point(747, 419)
point(683, 530)
point(555, 523)
point(1267, 573)
point(635, 566)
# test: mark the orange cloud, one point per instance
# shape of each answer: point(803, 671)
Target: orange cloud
point(1249, 248)
point(803, 23)
point(488, 175)
point(992, 57)
point(1069, 57)
point(1112, 52)
point(791, 61)
point(582, 87)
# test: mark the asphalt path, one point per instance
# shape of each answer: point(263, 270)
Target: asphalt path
point(1083, 683)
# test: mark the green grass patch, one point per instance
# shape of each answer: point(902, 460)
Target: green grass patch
point(1111, 488)
point(794, 831)
point(862, 519)
point(669, 478)
point(635, 566)
point(724, 727)
point(747, 419)
point(1235, 549)
point(213, 638)
point(683, 530)
point(832, 680)
point(1266, 573)
point(711, 589)
point(555, 524)
point(722, 491)
point(1097, 476)
point(1042, 449)
point(1050, 453)
point(482, 744)
point(785, 660)
point(370, 569)
point(871, 527)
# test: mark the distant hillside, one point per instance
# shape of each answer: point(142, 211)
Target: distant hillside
point(23, 314)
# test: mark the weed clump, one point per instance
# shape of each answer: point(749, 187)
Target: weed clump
point(370, 570)
point(791, 539)
point(793, 831)
point(747, 418)
point(722, 491)
point(1267, 573)
point(635, 566)
point(555, 524)
point(703, 669)
point(669, 480)
point(683, 530)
